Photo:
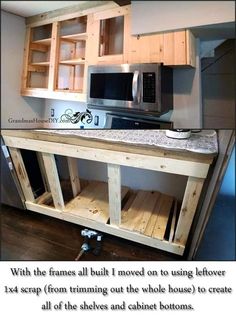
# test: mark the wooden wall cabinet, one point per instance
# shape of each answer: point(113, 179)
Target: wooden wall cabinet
point(108, 36)
point(57, 52)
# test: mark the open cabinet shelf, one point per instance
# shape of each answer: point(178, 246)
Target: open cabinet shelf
point(46, 42)
point(74, 37)
point(73, 62)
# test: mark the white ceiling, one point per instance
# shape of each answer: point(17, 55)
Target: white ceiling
point(29, 8)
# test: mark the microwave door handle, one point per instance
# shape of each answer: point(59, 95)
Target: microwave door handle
point(135, 86)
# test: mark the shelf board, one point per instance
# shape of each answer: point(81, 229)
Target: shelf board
point(149, 213)
point(73, 62)
point(75, 37)
point(76, 91)
point(46, 42)
point(40, 64)
point(58, 94)
point(92, 203)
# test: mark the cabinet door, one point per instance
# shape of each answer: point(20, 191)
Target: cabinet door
point(179, 48)
point(145, 49)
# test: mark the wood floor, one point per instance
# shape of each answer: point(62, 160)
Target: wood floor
point(31, 236)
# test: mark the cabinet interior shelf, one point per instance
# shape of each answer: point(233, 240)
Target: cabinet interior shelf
point(73, 62)
point(40, 64)
point(78, 91)
point(43, 41)
point(75, 37)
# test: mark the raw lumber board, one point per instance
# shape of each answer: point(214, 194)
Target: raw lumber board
point(92, 202)
point(147, 213)
point(163, 216)
point(147, 210)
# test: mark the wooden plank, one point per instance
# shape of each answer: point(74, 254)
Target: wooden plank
point(163, 216)
point(37, 68)
point(153, 219)
point(180, 48)
point(130, 235)
point(21, 173)
point(174, 48)
point(45, 198)
point(190, 49)
point(44, 209)
point(44, 135)
point(168, 48)
point(58, 95)
point(40, 64)
point(43, 171)
point(74, 175)
point(75, 37)
point(43, 42)
point(92, 202)
point(77, 61)
point(53, 179)
point(131, 218)
point(163, 164)
point(114, 189)
point(147, 210)
point(24, 79)
point(39, 47)
point(110, 59)
point(173, 222)
point(188, 208)
point(69, 12)
point(111, 13)
point(91, 54)
point(53, 69)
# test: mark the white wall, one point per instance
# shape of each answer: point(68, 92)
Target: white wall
point(132, 177)
point(14, 106)
point(187, 110)
point(158, 16)
point(59, 107)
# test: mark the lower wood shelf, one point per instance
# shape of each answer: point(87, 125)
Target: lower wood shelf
point(150, 213)
point(92, 203)
point(147, 217)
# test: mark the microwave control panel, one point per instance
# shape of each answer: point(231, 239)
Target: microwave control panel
point(149, 86)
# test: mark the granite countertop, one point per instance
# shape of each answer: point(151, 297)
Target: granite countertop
point(204, 141)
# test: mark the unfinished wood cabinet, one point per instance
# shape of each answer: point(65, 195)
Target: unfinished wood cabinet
point(179, 48)
point(108, 36)
point(58, 51)
point(172, 49)
point(54, 61)
point(148, 217)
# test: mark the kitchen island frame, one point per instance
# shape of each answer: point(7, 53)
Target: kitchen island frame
point(132, 220)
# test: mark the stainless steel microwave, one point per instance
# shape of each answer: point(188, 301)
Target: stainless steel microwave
point(130, 87)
